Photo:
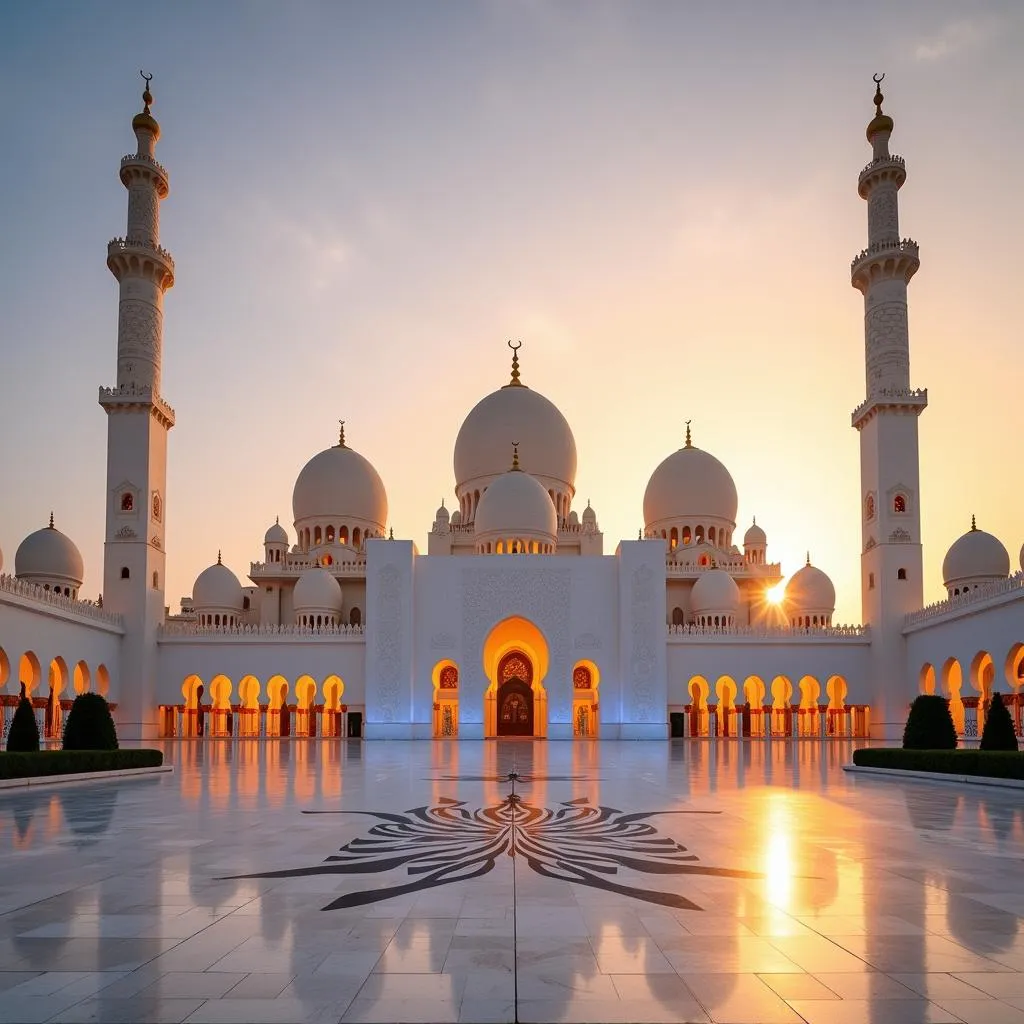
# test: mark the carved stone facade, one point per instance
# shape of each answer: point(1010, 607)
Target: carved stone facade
point(886, 340)
point(883, 213)
point(387, 641)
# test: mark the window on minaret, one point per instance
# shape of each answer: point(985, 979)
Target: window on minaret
point(869, 507)
point(901, 574)
point(899, 503)
point(157, 507)
point(127, 502)
point(125, 573)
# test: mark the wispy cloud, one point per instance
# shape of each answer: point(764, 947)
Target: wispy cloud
point(955, 37)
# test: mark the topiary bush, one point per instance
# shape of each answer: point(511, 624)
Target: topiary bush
point(24, 734)
point(90, 726)
point(929, 725)
point(998, 733)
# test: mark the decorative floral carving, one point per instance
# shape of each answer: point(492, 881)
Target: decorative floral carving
point(900, 536)
point(155, 541)
point(883, 213)
point(126, 533)
point(587, 642)
point(643, 655)
point(388, 642)
point(442, 642)
point(449, 679)
point(581, 678)
point(887, 341)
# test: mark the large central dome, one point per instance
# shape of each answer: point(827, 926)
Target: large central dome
point(690, 483)
point(514, 413)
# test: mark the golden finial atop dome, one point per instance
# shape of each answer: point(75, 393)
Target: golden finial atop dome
point(52, 526)
point(219, 562)
point(515, 382)
point(808, 558)
point(974, 524)
point(146, 120)
point(341, 435)
point(515, 458)
point(880, 122)
point(689, 442)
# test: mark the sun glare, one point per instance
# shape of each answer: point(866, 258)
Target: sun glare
point(776, 594)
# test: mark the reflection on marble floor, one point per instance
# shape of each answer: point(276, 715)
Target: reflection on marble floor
point(827, 898)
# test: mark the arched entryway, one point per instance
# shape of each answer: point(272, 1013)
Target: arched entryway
point(515, 660)
point(515, 695)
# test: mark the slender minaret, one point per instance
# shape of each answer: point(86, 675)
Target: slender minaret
point(887, 421)
point(138, 420)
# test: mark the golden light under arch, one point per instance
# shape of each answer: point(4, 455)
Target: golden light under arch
point(515, 634)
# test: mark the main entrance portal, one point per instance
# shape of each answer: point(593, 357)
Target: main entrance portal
point(515, 708)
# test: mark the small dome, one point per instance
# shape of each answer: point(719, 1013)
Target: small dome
point(49, 555)
point(715, 591)
point(516, 505)
point(338, 483)
point(589, 516)
point(755, 537)
point(511, 414)
point(441, 515)
point(691, 483)
point(277, 534)
point(456, 518)
point(809, 589)
point(318, 591)
point(217, 587)
point(976, 555)
point(574, 519)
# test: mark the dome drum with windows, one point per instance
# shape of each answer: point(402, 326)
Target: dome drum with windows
point(217, 596)
point(51, 560)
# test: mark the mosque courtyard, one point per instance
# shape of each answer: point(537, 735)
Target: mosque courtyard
point(278, 881)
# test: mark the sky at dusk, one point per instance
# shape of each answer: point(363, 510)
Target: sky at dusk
point(367, 200)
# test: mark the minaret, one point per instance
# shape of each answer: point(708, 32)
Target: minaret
point(891, 568)
point(138, 420)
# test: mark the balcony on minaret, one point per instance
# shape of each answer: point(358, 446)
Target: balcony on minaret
point(136, 256)
point(898, 258)
point(912, 401)
point(883, 168)
point(131, 398)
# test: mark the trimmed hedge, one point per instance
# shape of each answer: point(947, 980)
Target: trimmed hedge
point(90, 725)
point(998, 733)
point(929, 725)
point(24, 733)
point(70, 762)
point(996, 764)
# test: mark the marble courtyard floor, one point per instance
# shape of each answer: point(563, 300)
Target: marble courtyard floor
point(326, 881)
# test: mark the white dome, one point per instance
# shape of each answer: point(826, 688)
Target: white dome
point(217, 588)
point(574, 518)
point(277, 534)
point(339, 483)
point(513, 414)
point(755, 537)
point(1021, 558)
point(715, 591)
point(317, 590)
point(441, 515)
point(809, 589)
point(49, 555)
point(690, 484)
point(516, 506)
point(976, 555)
point(589, 515)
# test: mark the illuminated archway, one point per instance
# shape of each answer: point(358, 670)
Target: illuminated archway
point(29, 672)
point(103, 680)
point(220, 705)
point(305, 695)
point(952, 684)
point(5, 668)
point(82, 678)
point(586, 677)
point(57, 680)
point(699, 691)
point(278, 717)
point(725, 692)
point(333, 689)
point(516, 634)
point(445, 679)
point(782, 704)
point(249, 713)
point(192, 691)
point(1014, 667)
point(810, 697)
point(754, 693)
point(926, 678)
point(983, 674)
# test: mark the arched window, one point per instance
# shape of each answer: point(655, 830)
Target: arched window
point(711, 535)
point(869, 507)
point(125, 572)
point(246, 604)
point(677, 616)
point(698, 535)
point(674, 537)
point(343, 535)
point(871, 581)
point(899, 503)
point(127, 502)
point(216, 620)
point(156, 580)
point(355, 617)
point(686, 535)
point(157, 507)
point(901, 574)
point(317, 536)
point(356, 537)
point(330, 535)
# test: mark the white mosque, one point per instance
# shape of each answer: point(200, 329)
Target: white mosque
point(516, 621)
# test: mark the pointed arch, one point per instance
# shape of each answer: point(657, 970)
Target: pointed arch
point(82, 678)
point(1013, 667)
point(926, 678)
point(29, 671)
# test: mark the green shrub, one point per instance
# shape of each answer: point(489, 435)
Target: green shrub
point(996, 764)
point(929, 725)
point(69, 762)
point(24, 734)
point(998, 733)
point(90, 726)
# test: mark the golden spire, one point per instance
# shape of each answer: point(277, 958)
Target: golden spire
point(277, 520)
point(689, 443)
point(515, 458)
point(51, 519)
point(515, 382)
point(974, 525)
point(219, 562)
point(808, 558)
point(880, 122)
point(341, 434)
point(145, 120)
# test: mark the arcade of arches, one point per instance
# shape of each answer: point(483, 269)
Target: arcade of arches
point(52, 699)
point(969, 687)
point(305, 707)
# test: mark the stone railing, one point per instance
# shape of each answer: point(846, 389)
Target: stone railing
point(772, 632)
point(117, 245)
point(965, 600)
point(891, 396)
point(131, 393)
point(172, 629)
point(733, 566)
point(906, 245)
point(141, 158)
point(34, 592)
point(881, 163)
point(300, 563)
point(880, 160)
